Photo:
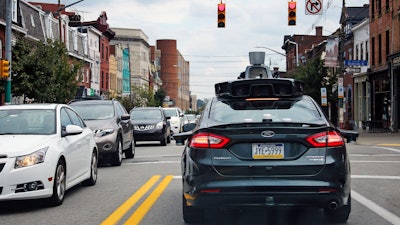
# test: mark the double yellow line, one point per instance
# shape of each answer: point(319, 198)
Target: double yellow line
point(141, 211)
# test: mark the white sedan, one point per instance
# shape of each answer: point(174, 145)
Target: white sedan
point(45, 149)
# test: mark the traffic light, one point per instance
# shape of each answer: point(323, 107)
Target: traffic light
point(291, 13)
point(221, 15)
point(5, 68)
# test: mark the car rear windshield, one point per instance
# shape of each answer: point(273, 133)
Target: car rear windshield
point(171, 112)
point(275, 110)
point(145, 114)
point(95, 111)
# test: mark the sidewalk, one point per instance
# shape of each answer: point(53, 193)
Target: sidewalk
point(379, 139)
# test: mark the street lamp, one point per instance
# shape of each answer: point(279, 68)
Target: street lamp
point(297, 50)
point(271, 50)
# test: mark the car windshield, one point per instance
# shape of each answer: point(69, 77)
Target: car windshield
point(145, 114)
point(95, 111)
point(27, 121)
point(171, 112)
point(297, 111)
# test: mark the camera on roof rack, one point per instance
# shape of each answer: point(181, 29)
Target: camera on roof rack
point(257, 69)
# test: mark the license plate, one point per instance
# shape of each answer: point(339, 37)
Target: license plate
point(268, 151)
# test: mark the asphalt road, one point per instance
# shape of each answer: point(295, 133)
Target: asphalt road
point(147, 190)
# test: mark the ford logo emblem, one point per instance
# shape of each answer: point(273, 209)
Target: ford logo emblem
point(267, 133)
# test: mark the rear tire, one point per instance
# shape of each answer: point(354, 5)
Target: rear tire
point(164, 141)
point(339, 215)
point(192, 214)
point(59, 185)
point(116, 157)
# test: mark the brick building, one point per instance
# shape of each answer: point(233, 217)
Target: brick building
point(174, 74)
point(384, 74)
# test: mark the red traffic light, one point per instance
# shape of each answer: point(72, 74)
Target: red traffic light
point(221, 15)
point(292, 13)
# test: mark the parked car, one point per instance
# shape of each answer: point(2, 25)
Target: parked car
point(261, 142)
point(151, 124)
point(176, 120)
point(45, 149)
point(112, 128)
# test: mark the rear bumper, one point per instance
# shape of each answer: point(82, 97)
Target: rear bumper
point(267, 193)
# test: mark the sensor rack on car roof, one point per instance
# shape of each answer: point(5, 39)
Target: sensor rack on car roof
point(257, 88)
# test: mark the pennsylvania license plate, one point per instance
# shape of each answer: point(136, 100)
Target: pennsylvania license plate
point(268, 151)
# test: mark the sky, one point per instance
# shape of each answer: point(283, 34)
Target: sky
point(215, 54)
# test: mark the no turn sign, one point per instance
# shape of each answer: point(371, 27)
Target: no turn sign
point(313, 7)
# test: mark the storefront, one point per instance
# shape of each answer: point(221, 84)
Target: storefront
point(395, 92)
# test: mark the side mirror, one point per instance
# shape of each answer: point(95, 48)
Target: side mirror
point(188, 127)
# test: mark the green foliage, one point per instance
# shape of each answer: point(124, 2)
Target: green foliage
point(44, 71)
point(159, 97)
point(315, 76)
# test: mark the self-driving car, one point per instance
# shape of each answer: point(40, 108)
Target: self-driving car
point(262, 143)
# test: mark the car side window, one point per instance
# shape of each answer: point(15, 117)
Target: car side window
point(75, 118)
point(65, 120)
point(120, 110)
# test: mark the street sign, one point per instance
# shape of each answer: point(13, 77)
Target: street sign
point(313, 7)
point(355, 62)
point(353, 70)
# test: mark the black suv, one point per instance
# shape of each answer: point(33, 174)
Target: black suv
point(112, 127)
point(151, 124)
point(261, 142)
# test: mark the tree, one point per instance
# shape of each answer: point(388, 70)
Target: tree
point(44, 71)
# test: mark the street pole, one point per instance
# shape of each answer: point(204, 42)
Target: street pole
point(8, 50)
point(297, 50)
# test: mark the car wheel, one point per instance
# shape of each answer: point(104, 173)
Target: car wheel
point(339, 215)
point(93, 171)
point(130, 152)
point(192, 214)
point(116, 157)
point(163, 142)
point(169, 139)
point(59, 185)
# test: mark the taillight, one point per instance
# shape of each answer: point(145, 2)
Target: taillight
point(208, 140)
point(326, 139)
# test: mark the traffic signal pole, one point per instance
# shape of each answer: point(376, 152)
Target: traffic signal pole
point(7, 99)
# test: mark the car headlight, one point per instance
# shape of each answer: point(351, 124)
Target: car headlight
point(31, 159)
point(102, 133)
point(159, 125)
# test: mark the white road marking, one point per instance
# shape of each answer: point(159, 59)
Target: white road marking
point(390, 149)
point(392, 218)
point(375, 177)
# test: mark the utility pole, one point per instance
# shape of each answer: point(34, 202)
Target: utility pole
point(341, 65)
point(8, 50)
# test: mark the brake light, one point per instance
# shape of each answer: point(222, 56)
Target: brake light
point(208, 140)
point(326, 139)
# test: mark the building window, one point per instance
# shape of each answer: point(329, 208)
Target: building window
point(379, 7)
point(14, 8)
point(362, 51)
point(357, 53)
point(387, 43)
point(387, 6)
point(372, 10)
point(102, 51)
point(373, 51)
point(366, 51)
point(32, 21)
point(379, 48)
